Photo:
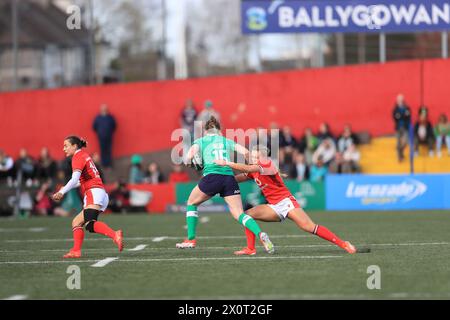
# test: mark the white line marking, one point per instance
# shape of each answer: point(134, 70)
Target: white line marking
point(104, 262)
point(236, 247)
point(230, 258)
point(159, 239)
point(151, 238)
point(39, 229)
point(138, 247)
point(171, 259)
point(17, 297)
point(313, 296)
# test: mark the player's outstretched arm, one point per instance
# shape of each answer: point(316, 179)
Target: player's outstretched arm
point(74, 182)
point(248, 168)
point(242, 177)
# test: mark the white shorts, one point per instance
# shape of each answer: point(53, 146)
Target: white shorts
point(97, 197)
point(283, 207)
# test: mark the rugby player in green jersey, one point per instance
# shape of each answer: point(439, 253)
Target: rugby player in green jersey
point(217, 180)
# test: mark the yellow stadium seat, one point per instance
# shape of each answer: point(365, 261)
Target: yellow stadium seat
point(380, 157)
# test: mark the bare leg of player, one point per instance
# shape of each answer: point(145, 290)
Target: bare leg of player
point(304, 222)
point(251, 226)
point(78, 237)
point(196, 198)
point(95, 227)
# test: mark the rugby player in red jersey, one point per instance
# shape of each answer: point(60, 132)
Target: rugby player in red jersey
point(86, 175)
point(281, 203)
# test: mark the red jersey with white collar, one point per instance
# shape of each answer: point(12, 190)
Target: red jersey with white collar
point(90, 177)
point(270, 182)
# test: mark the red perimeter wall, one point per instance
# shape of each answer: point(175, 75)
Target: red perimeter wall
point(147, 112)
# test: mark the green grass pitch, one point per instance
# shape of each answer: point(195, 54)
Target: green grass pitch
point(412, 250)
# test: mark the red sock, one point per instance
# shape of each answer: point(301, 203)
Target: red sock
point(78, 237)
point(251, 239)
point(102, 228)
point(326, 234)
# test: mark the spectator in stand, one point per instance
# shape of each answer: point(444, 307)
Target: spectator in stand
point(326, 151)
point(26, 165)
point(6, 168)
point(178, 175)
point(136, 175)
point(66, 166)
point(43, 200)
point(346, 139)
point(423, 110)
point(424, 134)
point(318, 171)
point(347, 162)
point(46, 167)
point(120, 198)
point(402, 119)
point(308, 144)
point(187, 123)
point(300, 169)
point(324, 132)
point(153, 174)
point(442, 134)
point(336, 166)
point(188, 116)
point(351, 158)
point(207, 113)
point(105, 126)
point(287, 145)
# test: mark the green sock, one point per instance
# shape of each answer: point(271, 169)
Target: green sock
point(191, 221)
point(250, 224)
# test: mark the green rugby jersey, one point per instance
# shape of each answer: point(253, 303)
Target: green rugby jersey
point(215, 147)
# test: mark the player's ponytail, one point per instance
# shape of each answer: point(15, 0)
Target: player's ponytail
point(79, 142)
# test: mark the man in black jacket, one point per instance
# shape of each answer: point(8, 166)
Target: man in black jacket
point(105, 125)
point(402, 119)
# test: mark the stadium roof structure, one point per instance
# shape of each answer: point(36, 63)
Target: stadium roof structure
point(40, 24)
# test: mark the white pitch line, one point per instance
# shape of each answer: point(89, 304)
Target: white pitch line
point(314, 296)
point(173, 259)
point(104, 262)
point(151, 238)
point(17, 297)
point(229, 258)
point(159, 239)
point(138, 247)
point(235, 247)
point(39, 229)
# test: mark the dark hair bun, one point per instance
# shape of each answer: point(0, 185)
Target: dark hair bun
point(83, 143)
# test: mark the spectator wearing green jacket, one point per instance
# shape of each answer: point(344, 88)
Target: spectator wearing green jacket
point(442, 133)
point(308, 144)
